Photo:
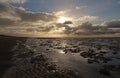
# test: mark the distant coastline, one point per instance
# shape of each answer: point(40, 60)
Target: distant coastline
point(12, 36)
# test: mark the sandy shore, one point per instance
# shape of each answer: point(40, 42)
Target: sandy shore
point(6, 43)
point(27, 64)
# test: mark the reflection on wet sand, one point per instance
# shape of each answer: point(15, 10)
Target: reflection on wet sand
point(98, 58)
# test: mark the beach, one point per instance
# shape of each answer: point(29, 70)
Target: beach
point(6, 44)
point(59, 57)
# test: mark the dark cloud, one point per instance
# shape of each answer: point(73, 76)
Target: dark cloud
point(6, 22)
point(84, 28)
point(112, 24)
point(59, 25)
point(24, 16)
point(87, 28)
point(36, 17)
point(68, 22)
point(4, 8)
point(45, 29)
point(32, 17)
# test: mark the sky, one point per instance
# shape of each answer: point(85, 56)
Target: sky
point(60, 18)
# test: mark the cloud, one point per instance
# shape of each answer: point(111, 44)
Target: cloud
point(68, 22)
point(62, 13)
point(112, 24)
point(21, 15)
point(15, 20)
point(32, 17)
point(13, 1)
point(77, 8)
point(40, 29)
point(45, 29)
point(87, 28)
point(6, 22)
point(4, 8)
point(118, 2)
point(80, 7)
point(84, 28)
point(86, 18)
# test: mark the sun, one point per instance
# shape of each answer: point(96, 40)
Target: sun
point(62, 19)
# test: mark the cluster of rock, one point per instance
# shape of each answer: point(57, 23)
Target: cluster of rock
point(28, 64)
point(95, 57)
point(106, 70)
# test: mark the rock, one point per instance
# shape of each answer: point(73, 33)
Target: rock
point(51, 67)
point(90, 61)
point(115, 53)
point(84, 54)
point(115, 68)
point(38, 59)
point(103, 52)
point(104, 72)
point(25, 54)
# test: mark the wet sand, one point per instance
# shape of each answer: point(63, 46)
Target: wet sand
point(31, 53)
point(26, 64)
point(6, 43)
